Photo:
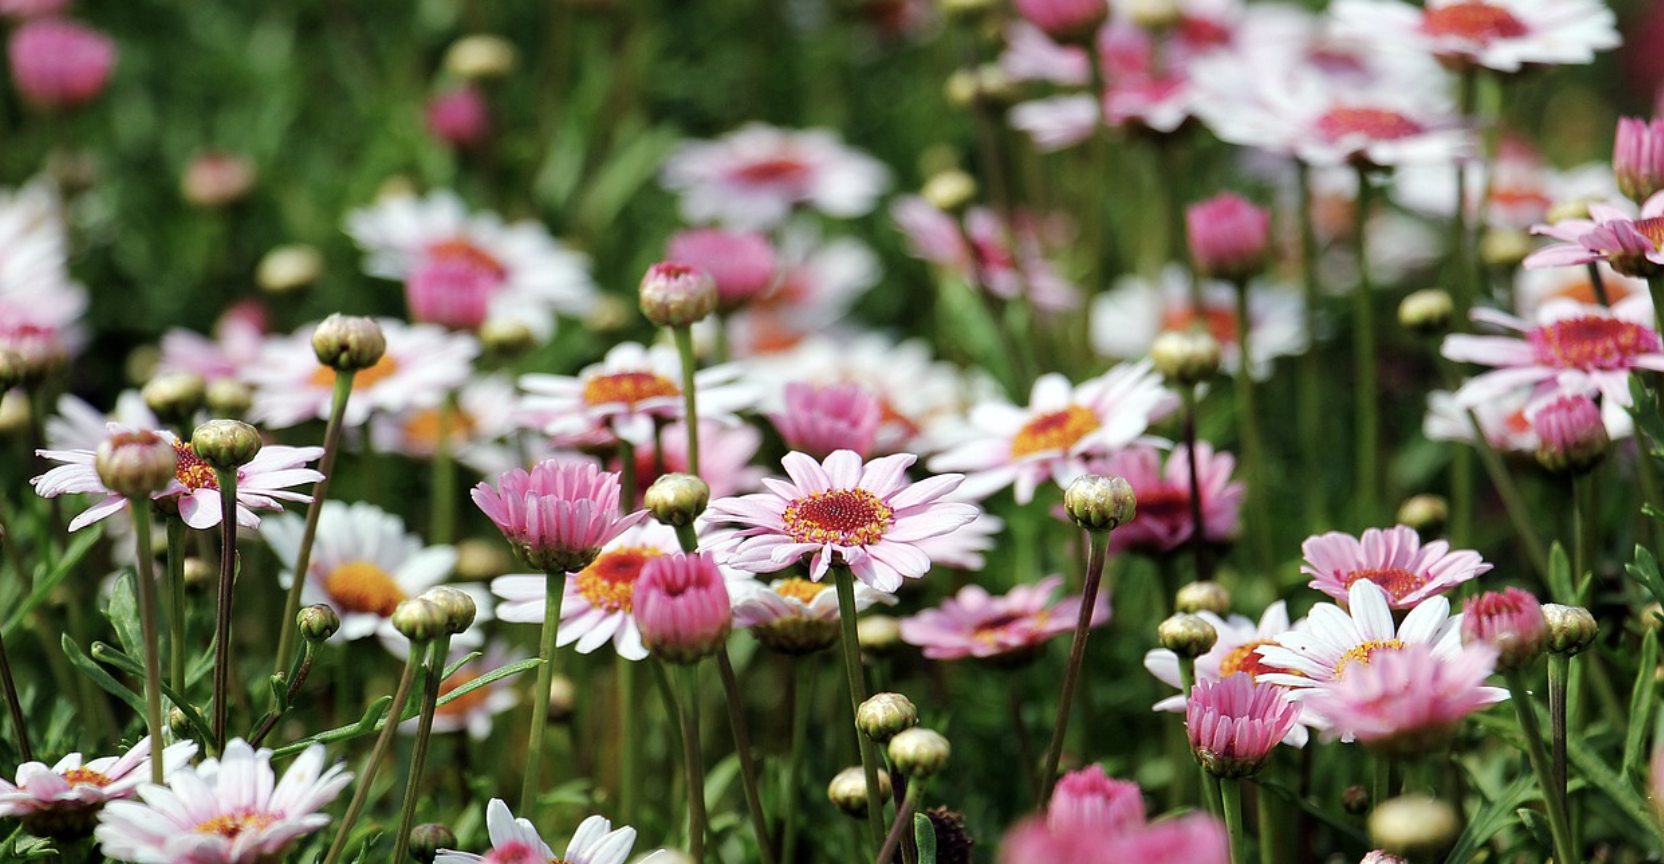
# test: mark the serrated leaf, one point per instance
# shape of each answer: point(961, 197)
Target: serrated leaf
point(1491, 818)
point(924, 835)
point(1640, 706)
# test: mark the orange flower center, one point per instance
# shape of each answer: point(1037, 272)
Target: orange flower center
point(421, 431)
point(629, 388)
point(799, 588)
point(846, 517)
point(1653, 229)
point(230, 825)
point(1473, 19)
point(466, 702)
point(191, 470)
point(1058, 430)
point(1220, 323)
point(363, 380)
point(1582, 290)
point(463, 252)
point(1591, 342)
point(85, 777)
point(1364, 653)
point(609, 582)
point(1246, 658)
point(1396, 581)
point(1377, 123)
point(360, 586)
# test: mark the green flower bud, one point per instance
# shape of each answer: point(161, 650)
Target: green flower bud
point(885, 715)
point(1414, 826)
point(1185, 356)
point(317, 622)
point(348, 343)
point(427, 840)
point(1426, 312)
point(674, 294)
point(919, 753)
point(458, 607)
point(1203, 596)
point(135, 464)
point(226, 444)
point(175, 396)
point(848, 790)
point(1570, 628)
point(1098, 503)
point(1187, 635)
point(418, 620)
point(228, 397)
point(677, 499)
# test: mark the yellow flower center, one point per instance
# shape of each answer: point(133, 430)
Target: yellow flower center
point(799, 588)
point(1058, 430)
point(846, 517)
point(191, 470)
point(1365, 652)
point(85, 777)
point(363, 379)
point(609, 582)
point(359, 586)
point(422, 429)
point(629, 388)
point(1246, 658)
point(230, 825)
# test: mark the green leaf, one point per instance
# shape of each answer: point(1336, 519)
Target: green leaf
point(1355, 837)
point(924, 834)
point(112, 657)
point(1493, 817)
point(1600, 776)
point(1644, 408)
point(100, 677)
point(1640, 706)
point(124, 615)
point(46, 583)
point(1538, 826)
point(1560, 576)
point(1645, 571)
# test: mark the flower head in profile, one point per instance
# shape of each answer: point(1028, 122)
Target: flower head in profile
point(63, 800)
point(516, 841)
point(1008, 629)
point(558, 515)
point(867, 517)
point(820, 420)
point(742, 263)
point(794, 615)
point(1634, 246)
point(683, 608)
point(1394, 559)
point(230, 810)
point(1407, 701)
point(753, 177)
point(1235, 722)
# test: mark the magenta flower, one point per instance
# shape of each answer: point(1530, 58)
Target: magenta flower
point(868, 517)
point(682, 607)
point(1089, 801)
point(1638, 157)
point(558, 515)
point(1007, 629)
point(1630, 245)
point(1227, 236)
point(820, 420)
point(743, 264)
point(1394, 559)
point(59, 64)
point(1407, 701)
point(1571, 436)
point(1510, 621)
point(1235, 722)
point(459, 118)
point(1163, 522)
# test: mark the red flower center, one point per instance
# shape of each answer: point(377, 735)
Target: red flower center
point(1220, 323)
point(463, 253)
point(1204, 32)
point(1591, 342)
point(610, 582)
point(846, 517)
point(192, 471)
point(1057, 430)
point(359, 586)
point(1379, 124)
point(1472, 19)
point(628, 388)
point(1396, 581)
point(781, 169)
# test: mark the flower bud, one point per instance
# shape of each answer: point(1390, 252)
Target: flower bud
point(42, 350)
point(458, 607)
point(1570, 628)
point(216, 178)
point(174, 395)
point(288, 268)
point(1505, 247)
point(879, 634)
point(1638, 157)
point(848, 790)
point(135, 464)
point(986, 84)
point(1203, 597)
point(1355, 800)
point(1571, 436)
point(1414, 826)
point(884, 715)
point(317, 622)
point(1098, 503)
point(418, 620)
point(673, 294)
point(14, 413)
point(348, 343)
point(1426, 312)
point(1070, 21)
point(563, 699)
point(1381, 856)
point(1185, 356)
point(427, 840)
point(677, 499)
point(507, 337)
point(1427, 514)
point(228, 397)
point(1187, 635)
point(226, 444)
point(742, 264)
point(1229, 237)
point(1154, 15)
point(478, 559)
point(682, 608)
point(1511, 621)
point(950, 191)
point(1573, 208)
point(178, 725)
point(919, 752)
point(480, 56)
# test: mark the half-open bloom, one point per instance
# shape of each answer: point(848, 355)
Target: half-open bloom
point(1634, 246)
point(795, 615)
point(557, 515)
point(1234, 723)
point(1164, 520)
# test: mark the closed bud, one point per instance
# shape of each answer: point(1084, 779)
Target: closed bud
point(175, 396)
point(1355, 800)
point(885, 715)
point(1570, 628)
point(674, 294)
point(677, 499)
point(14, 413)
point(563, 699)
point(507, 337)
point(226, 444)
point(1571, 436)
point(1414, 826)
point(1428, 514)
point(879, 634)
point(1505, 247)
point(317, 622)
point(458, 607)
point(1426, 312)
point(348, 343)
point(217, 178)
point(848, 791)
point(480, 56)
point(228, 397)
point(1098, 503)
point(287, 268)
point(427, 840)
point(1154, 15)
point(418, 620)
point(1185, 356)
point(1187, 635)
point(135, 464)
point(178, 725)
point(950, 191)
point(919, 753)
point(1203, 597)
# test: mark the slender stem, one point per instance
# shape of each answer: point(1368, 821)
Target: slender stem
point(15, 708)
point(444, 477)
point(1310, 408)
point(308, 652)
point(627, 477)
point(554, 586)
point(1584, 508)
point(1199, 531)
point(1253, 448)
point(804, 673)
point(1098, 545)
point(1210, 783)
point(1462, 258)
point(1267, 825)
point(1381, 791)
point(176, 600)
point(384, 742)
point(1367, 407)
point(1526, 707)
point(1655, 286)
point(1558, 667)
point(1230, 797)
point(1025, 744)
point(314, 510)
point(1525, 525)
point(690, 401)
point(1597, 284)
point(748, 766)
point(689, 707)
point(228, 576)
point(144, 576)
point(629, 730)
point(438, 652)
point(903, 822)
point(845, 581)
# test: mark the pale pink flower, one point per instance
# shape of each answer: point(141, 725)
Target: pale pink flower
point(1010, 628)
point(1088, 800)
point(964, 548)
point(1394, 559)
point(459, 117)
point(23, 9)
point(1510, 621)
point(1638, 157)
point(1005, 445)
point(484, 415)
point(1632, 245)
point(988, 260)
point(1336, 639)
point(1030, 55)
point(1504, 35)
point(1533, 288)
point(231, 810)
point(59, 64)
point(1236, 650)
point(1032, 841)
point(63, 801)
point(1056, 122)
point(1164, 519)
point(682, 607)
point(516, 841)
point(1126, 320)
point(1228, 236)
point(216, 178)
point(1407, 701)
point(795, 615)
point(557, 516)
point(1502, 420)
point(40, 304)
point(262, 484)
point(236, 343)
point(752, 178)
point(1234, 723)
point(1196, 838)
point(867, 517)
point(820, 420)
point(743, 264)
point(1380, 856)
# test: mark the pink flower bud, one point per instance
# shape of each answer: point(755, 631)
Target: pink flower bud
point(743, 265)
point(674, 294)
point(820, 420)
point(1511, 621)
point(1089, 800)
point(1065, 20)
point(1638, 157)
point(1571, 438)
point(1227, 236)
point(682, 607)
point(459, 117)
point(216, 178)
point(59, 64)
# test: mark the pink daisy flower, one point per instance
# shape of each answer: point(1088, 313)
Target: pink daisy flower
point(1234, 723)
point(1006, 630)
point(1533, 288)
point(484, 415)
point(1407, 701)
point(516, 841)
point(1634, 246)
point(262, 484)
point(462, 269)
point(1334, 639)
point(1504, 35)
point(795, 615)
point(231, 810)
point(40, 304)
point(1502, 421)
point(1126, 320)
point(988, 259)
point(1394, 559)
point(459, 117)
point(63, 801)
point(1004, 445)
point(1193, 839)
point(752, 178)
point(1236, 650)
point(868, 517)
point(964, 548)
point(423, 362)
point(820, 420)
point(1511, 621)
point(1163, 521)
point(558, 516)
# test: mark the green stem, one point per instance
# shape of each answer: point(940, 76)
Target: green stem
point(1527, 710)
point(228, 576)
point(1267, 826)
point(903, 822)
point(629, 764)
point(626, 478)
point(1310, 407)
point(802, 703)
point(444, 477)
point(688, 538)
point(1210, 783)
point(689, 707)
point(1462, 240)
point(314, 510)
point(1655, 286)
point(176, 601)
point(1584, 506)
point(845, 581)
point(1366, 392)
point(145, 577)
point(1252, 447)
point(1381, 790)
point(554, 585)
point(438, 652)
point(384, 742)
point(1025, 745)
point(748, 766)
point(1558, 669)
point(1597, 284)
point(1230, 797)
point(309, 651)
point(15, 708)
point(1098, 545)
point(690, 401)
point(1199, 532)
point(1525, 525)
